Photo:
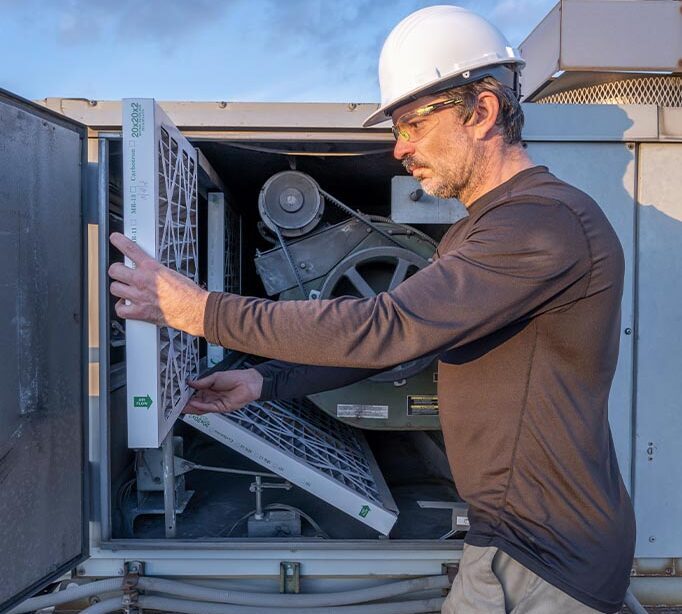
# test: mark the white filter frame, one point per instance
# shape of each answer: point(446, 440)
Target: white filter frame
point(160, 201)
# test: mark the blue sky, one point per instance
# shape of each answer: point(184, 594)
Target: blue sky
point(234, 50)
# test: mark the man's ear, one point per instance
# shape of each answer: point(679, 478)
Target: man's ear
point(484, 118)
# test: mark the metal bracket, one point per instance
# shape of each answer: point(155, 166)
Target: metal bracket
point(133, 571)
point(460, 519)
point(289, 577)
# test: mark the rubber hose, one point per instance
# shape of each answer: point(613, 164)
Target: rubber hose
point(632, 603)
point(69, 594)
point(193, 607)
point(374, 593)
point(104, 607)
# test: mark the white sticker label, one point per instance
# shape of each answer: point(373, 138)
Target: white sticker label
point(362, 411)
point(462, 521)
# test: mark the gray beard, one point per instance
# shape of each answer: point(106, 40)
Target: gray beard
point(453, 186)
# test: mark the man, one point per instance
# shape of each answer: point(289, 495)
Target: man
point(522, 303)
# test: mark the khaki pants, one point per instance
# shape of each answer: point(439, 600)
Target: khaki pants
point(489, 581)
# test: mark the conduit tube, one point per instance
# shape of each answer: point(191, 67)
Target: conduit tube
point(164, 604)
point(192, 607)
point(104, 607)
point(191, 591)
point(374, 593)
point(70, 594)
point(632, 603)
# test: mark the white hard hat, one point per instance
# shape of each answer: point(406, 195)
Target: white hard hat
point(439, 47)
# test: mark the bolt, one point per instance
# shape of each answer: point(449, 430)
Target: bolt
point(303, 265)
point(628, 331)
point(669, 571)
point(416, 195)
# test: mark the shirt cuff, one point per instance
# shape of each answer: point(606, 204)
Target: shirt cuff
point(211, 318)
point(267, 391)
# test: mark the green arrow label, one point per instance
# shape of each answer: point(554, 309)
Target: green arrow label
point(145, 401)
point(364, 511)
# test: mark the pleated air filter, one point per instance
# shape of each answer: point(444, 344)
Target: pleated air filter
point(160, 215)
point(297, 441)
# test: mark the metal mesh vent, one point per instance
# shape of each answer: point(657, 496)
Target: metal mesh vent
point(661, 90)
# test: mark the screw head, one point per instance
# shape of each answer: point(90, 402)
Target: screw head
point(652, 539)
point(628, 331)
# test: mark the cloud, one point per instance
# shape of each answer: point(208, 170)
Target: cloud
point(345, 37)
point(82, 22)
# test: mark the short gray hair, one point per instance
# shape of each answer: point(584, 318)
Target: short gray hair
point(510, 115)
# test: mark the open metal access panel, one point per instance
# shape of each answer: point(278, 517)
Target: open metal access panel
point(43, 463)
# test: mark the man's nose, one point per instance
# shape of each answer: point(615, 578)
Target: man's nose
point(402, 148)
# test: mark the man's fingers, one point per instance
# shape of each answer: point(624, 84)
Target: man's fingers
point(211, 406)
point(203, 383)
point(131, 311)
point(124, 291)
point(120, 272)
point(128, 248)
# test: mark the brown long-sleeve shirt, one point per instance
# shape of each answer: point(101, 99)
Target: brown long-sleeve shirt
point(523, 303)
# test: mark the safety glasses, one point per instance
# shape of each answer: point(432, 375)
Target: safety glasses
point(414, 126)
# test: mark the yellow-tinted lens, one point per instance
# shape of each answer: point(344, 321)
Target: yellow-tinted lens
point(418, 123)
point(415, 128)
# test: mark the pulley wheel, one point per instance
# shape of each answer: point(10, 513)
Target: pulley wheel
point(368, 272)
point(290, 201)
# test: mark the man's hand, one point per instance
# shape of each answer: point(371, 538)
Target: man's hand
point(154, 292)
point(224, 391)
